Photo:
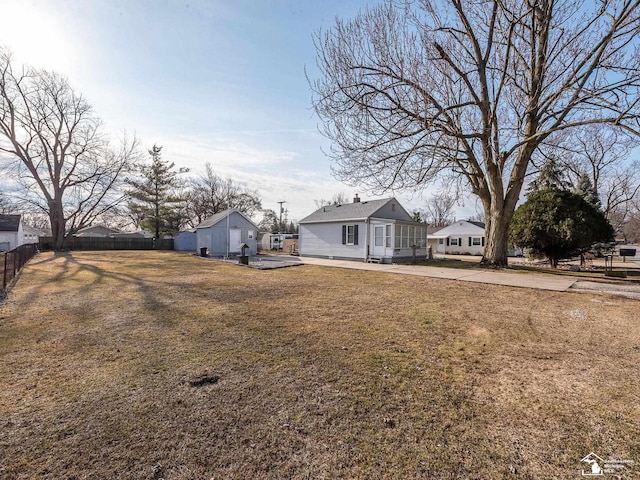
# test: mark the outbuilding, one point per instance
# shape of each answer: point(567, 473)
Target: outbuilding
point(223, 233)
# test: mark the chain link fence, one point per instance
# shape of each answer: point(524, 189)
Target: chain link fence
point(13, 261)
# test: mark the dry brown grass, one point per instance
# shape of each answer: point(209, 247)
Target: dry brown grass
point(322, 373)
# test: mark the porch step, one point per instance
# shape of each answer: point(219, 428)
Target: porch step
point(374, 260)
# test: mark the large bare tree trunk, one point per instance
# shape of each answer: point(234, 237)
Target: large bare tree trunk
point(58, 223)
point(496, 233)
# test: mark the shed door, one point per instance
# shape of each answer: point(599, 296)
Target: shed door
point(235, 239)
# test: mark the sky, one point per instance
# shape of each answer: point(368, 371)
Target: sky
point(218, 81)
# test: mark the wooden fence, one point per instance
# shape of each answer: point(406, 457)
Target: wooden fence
point(109, 243)
point(13, 261)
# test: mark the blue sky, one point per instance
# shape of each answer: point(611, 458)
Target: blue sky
point(219, 81)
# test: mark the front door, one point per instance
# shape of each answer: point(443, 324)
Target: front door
point(378, 241)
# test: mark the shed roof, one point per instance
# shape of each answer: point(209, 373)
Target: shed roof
point(348, 211)
point(212, 220)
point(9, 223)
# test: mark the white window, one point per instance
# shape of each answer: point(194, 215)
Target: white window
point(476, 241)
point(453, 242)
point(250, 234)
point(388, 236)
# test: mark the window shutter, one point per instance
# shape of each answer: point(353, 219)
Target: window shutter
point(447, 241)
point(469, 241)
point(459, 241)
point(344, 234)
point(355, 234)
point(483, 241)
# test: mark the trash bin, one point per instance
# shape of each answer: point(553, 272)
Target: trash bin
point(243, 259)
point(203, 251)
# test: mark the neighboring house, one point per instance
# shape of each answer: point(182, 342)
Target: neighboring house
point(138, 234)
point(462, 237)
point(11, 233)
point(32, 234)
point(185, 241)
point(223, 233)
point(96, 231)
point(374, 230)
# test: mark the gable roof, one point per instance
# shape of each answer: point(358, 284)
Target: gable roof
point(477, 224)
point(212, 220)
point(460, 227)
point(9, 223)
point(349, 211)
point(96, 231)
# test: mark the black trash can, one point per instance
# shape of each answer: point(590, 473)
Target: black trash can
point(203, 251)
point(243, 259)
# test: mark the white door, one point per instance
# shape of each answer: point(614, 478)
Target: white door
point(378, 241)
point(235, 239)
point(440, 248)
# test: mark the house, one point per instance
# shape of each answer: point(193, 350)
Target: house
point(96, 231)
point(463, 237)
point(374, 230)
point(32, 234)
point(11, 232)
point(223, 234)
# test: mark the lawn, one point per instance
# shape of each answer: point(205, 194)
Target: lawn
point(150, 365)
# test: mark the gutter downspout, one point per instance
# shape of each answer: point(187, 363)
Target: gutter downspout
point(366, 239)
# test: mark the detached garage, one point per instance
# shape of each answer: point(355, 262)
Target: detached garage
point(223, 234)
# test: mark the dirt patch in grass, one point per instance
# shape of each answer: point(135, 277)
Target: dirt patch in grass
point(162, 365)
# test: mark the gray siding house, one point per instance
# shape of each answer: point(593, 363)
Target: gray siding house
point(374, 230)
point(223, 233)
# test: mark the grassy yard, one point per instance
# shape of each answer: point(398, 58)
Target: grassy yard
point(149, 365)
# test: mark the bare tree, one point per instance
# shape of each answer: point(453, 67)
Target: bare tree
point(337, 199)
point(412, 90)
point(439, 209)
point(602, 154)
point(210, 194)
point(53, 148)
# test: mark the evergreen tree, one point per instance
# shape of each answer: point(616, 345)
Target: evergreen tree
point(153, 199)
point(550, 176)
point(585, 189)
point(558, 224)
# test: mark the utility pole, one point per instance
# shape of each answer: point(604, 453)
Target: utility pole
point(280, 221)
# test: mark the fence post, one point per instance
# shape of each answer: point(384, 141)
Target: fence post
point(4, 276)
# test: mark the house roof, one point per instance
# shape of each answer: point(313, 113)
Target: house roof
point(9, 223)
point(96, 231)
point(348, 211)
point(477, 224)
point(460, 227)
point(212, 220)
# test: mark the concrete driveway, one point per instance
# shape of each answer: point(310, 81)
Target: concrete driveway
point(495, 277)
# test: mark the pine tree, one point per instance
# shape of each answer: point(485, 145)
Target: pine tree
point(153, 201)
point(585, 189)
point(550, 176)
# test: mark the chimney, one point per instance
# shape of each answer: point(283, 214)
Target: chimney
point(356, 199)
